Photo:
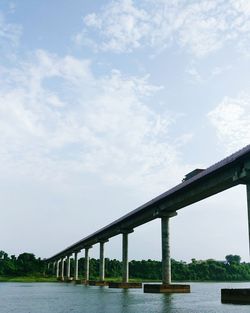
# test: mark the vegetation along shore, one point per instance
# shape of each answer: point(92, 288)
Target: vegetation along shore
point(27, 268)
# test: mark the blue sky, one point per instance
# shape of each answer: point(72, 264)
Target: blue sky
point(106, 104)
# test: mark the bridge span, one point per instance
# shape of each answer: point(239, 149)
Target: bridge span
point(197, 185)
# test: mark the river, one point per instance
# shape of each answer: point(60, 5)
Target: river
point(70, 298)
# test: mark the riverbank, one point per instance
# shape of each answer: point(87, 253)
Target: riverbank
point(37, 279)
point(28, 279)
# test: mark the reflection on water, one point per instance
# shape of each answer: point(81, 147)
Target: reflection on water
point(70, 298)
point(166, 302)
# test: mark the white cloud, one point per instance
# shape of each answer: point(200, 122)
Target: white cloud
point(194, 74)
point(200, 27)
point(58, 120)
point(121, 24)
point(197, 75)
point(231, 119)
point(9, 33)
point(12, 7)
point(242, 6)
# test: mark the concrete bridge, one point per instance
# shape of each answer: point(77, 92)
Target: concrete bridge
point(197, 185)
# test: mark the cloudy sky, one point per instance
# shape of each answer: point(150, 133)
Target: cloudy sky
point(105, 105)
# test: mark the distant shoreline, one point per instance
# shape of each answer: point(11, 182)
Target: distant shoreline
point(28, 279)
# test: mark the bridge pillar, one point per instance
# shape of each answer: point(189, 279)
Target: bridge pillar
point(57, 268)
point(248, 209)
point(165, 248)
point(54, 268)
point(68, 267)
point(86, 265)
point(239, 295)
point(62, 268)
point(125, 265)
point(166, 286)
point(101, 281)
point(76, 266)
point(46, 270)
point(102, 261)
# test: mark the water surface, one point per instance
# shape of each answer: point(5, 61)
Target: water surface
point(70, 298)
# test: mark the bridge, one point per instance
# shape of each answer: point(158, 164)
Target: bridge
point(196, 186)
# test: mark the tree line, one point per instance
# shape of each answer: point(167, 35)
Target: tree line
point(26, 264)
point(230, 269)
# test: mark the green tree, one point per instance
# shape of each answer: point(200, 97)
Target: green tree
point(230, 259)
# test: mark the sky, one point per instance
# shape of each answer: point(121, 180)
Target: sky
point(107, 104)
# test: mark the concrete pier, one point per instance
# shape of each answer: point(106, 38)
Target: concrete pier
point(68, 267)
point(248, 210)
point(102, 260)
point(125, 266)
point(57, 269)
point(75, 266)
point(86, 265)
point(62, 269)
point(165, 249)
point(235, 296)
point(54, 268)
point(166, 286)
point(242, 295)
point(98, 283)
point(124, 285)
point(101, 281)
